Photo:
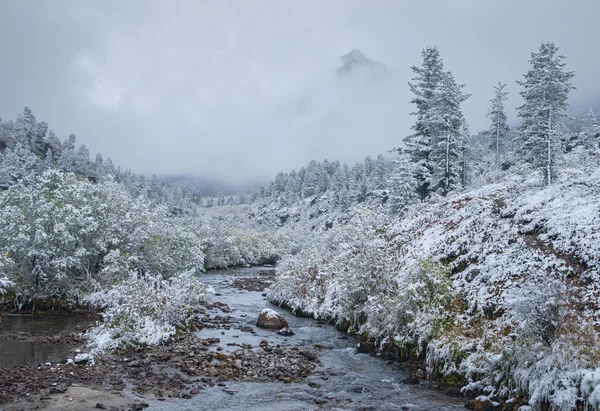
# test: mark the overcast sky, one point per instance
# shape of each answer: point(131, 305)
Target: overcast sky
point(243, 89)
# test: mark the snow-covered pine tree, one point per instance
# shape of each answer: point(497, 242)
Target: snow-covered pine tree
point(369, 167)
point(418, 145)
point(499, 129)
point(279, 183)
point(589, 135)
point(25, 128)
point(324, 178)
point(18, 163)
point(68, 157)
point(446, 123)
point(82, 161)
point(53, 140)
point(546, 90)
point(310, 183)
point(402, 185)
point(292, 189)
point(48, 162)
point(380, 173)
point(465, 155)
point(358, 183)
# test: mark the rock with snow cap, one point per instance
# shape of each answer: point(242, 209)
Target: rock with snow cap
point(271, 319)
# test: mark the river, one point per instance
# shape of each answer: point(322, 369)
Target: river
point(345, 380)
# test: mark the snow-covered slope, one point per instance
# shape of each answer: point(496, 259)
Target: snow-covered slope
point(497, 288)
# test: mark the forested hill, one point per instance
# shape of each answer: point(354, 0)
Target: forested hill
point(28, 147)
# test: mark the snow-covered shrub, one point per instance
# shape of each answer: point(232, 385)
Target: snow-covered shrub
point(65, 237)
point(5, 283)
point(425, 300)
point(144, 310)
point(590, 386)
point(172, 246)
point(538, 309)
point(230, 241)
point(351, 275)
point(337, 275)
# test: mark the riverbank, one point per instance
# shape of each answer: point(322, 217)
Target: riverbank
point(228, 361)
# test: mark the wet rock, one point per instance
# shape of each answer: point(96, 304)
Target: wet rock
point(247, 329)
point(415, 377)
point(360, 389)
point(482, 404)
point(286, 332)
point(454, 392)
point(264, 344)
point(101, 406)
point(308, 353)
point(270, 319)
point(223, 307)
point(366, 347)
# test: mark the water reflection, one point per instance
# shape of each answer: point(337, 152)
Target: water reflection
point(24, 350)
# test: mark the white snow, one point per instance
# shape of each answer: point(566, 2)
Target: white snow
point(269, 313)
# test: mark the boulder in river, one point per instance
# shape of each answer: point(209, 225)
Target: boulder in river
point(286, 332)
point(271, 319)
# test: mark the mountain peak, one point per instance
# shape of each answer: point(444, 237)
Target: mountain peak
point(356, 61)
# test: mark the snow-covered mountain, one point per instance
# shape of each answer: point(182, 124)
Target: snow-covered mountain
point(356, 63)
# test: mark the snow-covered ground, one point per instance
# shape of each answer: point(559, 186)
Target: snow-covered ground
point(496, 288)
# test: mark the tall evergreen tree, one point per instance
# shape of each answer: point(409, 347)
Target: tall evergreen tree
point(380, 173)
point(546, 90)
point(424, 86)
point(446, 123)
point(402, 185)
point(465, 155)
point(25, 128)
point(499, 128)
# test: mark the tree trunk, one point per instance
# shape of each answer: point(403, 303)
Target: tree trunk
point(549, 154)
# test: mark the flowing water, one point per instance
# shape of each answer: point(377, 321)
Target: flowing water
point(346, 379)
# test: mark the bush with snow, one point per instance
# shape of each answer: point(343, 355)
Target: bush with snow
point(5, 283)
point(231, 241)
point(590, 386)
point(62, 237)
point(144, 310)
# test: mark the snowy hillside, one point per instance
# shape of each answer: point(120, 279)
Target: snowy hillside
point(495, 288)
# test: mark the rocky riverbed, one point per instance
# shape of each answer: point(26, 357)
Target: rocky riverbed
point(262, 280)
point(228, 364)
point(179, 370)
